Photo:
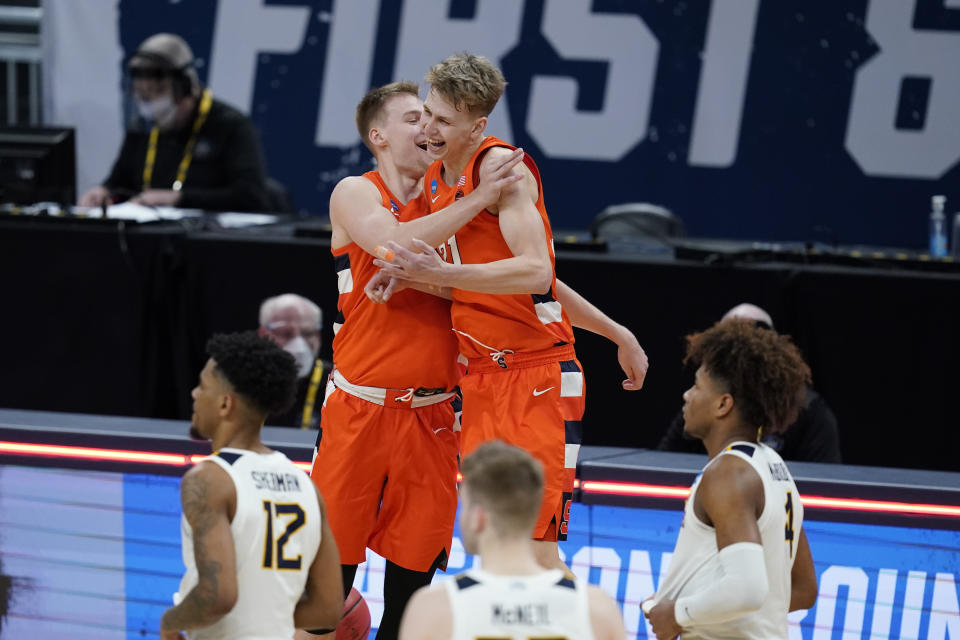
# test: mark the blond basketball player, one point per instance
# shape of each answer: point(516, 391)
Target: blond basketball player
point(392, 402)
point(513, 319)
point(512, 596)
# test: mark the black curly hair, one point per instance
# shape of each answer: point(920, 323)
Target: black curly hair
point(761, 369)
point(257, 368)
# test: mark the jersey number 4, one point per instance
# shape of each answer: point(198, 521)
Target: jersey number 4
point(788, 527)
point(269, 544)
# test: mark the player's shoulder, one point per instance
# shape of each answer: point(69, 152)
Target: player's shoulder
point(529, 185)
point(354, 184)
point(428, 614)
point(729, 480)
point(206, 485)
point(350, 192)
point(605, 617)
point(497, 153)
point(734, 463)
point(435, 593)
point(207, 470)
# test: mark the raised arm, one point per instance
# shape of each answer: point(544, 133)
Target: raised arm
point(584, 315)
point(322, 604)
point(358, 215)
point(208, 496)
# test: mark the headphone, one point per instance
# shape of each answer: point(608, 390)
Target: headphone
point(184, 77)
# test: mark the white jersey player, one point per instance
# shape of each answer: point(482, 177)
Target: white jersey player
point(259, 554)
point(513, 596)
point(276, 534)
point(741, 561)
point(542, 605)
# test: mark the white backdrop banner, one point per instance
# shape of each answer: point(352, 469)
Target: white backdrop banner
point(82, 61)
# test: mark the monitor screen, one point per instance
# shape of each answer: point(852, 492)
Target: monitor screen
point(37, 164)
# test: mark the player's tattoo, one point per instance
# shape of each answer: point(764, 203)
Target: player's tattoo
point(194, 609)
point(195, 495)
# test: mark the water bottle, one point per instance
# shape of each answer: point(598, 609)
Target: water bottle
point(938, 228)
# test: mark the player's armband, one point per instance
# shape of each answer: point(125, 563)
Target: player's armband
point(742, 588)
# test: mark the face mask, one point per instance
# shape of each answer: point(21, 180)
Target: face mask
point(159, 111)
point(303, 354)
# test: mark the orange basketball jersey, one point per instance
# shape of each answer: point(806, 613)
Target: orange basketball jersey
point(521, 323)
point(405, 342)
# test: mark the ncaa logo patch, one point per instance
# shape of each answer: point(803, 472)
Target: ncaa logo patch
point(433, 186)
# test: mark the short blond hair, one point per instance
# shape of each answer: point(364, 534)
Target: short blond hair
point(371, 106)
point(507, 482)
point(468, 81)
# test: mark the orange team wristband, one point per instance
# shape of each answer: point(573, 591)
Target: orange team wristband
point(384, 254)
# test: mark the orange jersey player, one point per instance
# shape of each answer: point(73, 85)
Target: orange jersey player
point(387, 459)
point(512, 316)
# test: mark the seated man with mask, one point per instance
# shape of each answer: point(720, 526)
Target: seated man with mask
point(187, 149)
point(294, 323)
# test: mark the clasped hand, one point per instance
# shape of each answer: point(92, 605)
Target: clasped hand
point(421, 265)
point(406, 266)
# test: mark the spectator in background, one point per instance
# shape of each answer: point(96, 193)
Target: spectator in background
point(812, 438)
point(294, 323)
point(187, 149)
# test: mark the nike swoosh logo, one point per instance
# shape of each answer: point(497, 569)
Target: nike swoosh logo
point(434, 199)
point(540, 393)
point(435, 431)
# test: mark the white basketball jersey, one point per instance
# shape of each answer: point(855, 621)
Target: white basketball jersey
point(694, 566)
point(546, 605)
point(276, 534)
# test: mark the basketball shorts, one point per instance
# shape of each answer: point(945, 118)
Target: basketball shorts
point(388, 475)
point(536, 406)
